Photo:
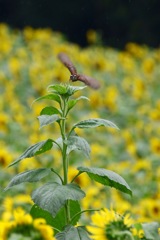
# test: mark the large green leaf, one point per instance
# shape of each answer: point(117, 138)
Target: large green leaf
point(73, 233)
point(50, 96)
point(76, 142)
point(107, 177)
point(53, 196)
point(29, 176)
point(151, 230)
point(35, 149)
point(37, 212)
point(57, 222)
point(47, 119)
point(49, 110)
point(94, 122)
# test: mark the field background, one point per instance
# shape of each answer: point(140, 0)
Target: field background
point(129, 96)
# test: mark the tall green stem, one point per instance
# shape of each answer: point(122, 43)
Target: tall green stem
point(64, 154)
point(64, 149)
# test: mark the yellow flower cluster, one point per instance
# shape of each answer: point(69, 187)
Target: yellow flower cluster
point(14, 219)
point(27, 226)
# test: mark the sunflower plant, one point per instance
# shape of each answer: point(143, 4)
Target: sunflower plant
point(58, 201)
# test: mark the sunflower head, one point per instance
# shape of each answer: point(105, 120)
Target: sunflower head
point(108, 225)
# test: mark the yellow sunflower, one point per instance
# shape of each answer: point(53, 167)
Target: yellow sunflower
point(108, 225)
point(23, 226)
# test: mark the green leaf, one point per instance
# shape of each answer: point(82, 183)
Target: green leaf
point(75, 208)
point(94, 122)
point(59, 89)
point(83, 97)
point(73, 233)
point(59, 141)
point(65, 89)
point(49, 111)
point(72, 102)
point(57, 222)
point(73, 89)
point(45, 120)
point(50, 96)
point(34, 150)
point(76, 142)
point(29, 176)
point(107, 177)
point(53, 196)
point(151, 230)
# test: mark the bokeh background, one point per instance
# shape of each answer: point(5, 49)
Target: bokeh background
point(117, 42)
point(117, 21)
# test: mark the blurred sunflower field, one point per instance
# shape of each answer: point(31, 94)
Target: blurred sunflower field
point(129, 96)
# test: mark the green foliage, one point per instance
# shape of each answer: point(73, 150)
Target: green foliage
point(53, 196)
point(29, 176)
point(95, 122)
point(76, 142)
point(72, 102)
point(58, 202)
point(66, 90)
point(73, 233)
point(50, 96)
point(107, 177)
point(47, 119)
point(58, 222)
point(151, 230)
point(34, 150)
point(49, 111)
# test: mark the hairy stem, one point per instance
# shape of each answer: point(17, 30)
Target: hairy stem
point(64, 154)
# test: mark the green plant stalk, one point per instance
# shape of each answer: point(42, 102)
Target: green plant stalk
point(79, 213)
point(57, 175)
point(79, 173)
point(64, 154)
